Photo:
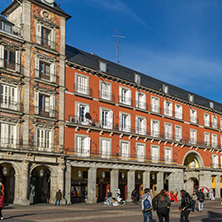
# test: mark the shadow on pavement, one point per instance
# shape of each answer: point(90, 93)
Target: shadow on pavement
point(212, 216)
point(16, 216)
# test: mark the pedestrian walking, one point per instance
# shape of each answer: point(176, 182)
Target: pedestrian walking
point(147, 205)
point(58, 197)
point(200, 198)
point(193, 201)
point(185, 206)
point(163, 204)
point(108, 201)
point(135, 196)
point(1, 203)
point(211, 193)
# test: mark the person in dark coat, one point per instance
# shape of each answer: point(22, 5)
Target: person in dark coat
point(185, 206)
point(1, 203)
point(58, 197)
point(135, 196)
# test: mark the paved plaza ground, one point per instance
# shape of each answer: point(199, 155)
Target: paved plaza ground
point(99, 213)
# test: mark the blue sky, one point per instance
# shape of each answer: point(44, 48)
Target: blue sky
point(175, 41)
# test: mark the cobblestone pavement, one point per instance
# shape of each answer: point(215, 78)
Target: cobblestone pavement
point(99, 213)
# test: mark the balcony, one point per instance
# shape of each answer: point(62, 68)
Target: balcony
point(46, 76)
point(104, 95)
point(82, 90)
point(11, 105)
point(49, 113)
point(123, 100)
point(168, 112)
point(194, 120)
point(46, 42)
point(155, 109)
point(15, 67)
point(178, 115)
point(141, 105)
point(215, 165)
point(214, 125)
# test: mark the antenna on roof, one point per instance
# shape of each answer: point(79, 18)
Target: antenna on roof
point(117, 44)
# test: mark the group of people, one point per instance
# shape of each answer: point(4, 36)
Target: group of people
point(113, 201)
point(161, 203)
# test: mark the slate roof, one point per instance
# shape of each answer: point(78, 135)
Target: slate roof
point(92, 61)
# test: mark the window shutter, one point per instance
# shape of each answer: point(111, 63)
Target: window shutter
point(50, 140)
point(18, 61)
point(128, 123)
point(53, 39)
point(120, 94)
point(15, 100)
point(52, 106)
point(120, 121)
point(137, 99)
point(38, 33)
point(129, 97)
point(110, 119)
point(144, 126)
point(1, 56)
point(53, 72)
point(87, 146)
point(37, 103)
point(78, 149)
point(137, 124)
point(36, 67)
point(14, 134)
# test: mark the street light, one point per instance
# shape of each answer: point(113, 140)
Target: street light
point(138, 176)
point(5, 171)
point(79, 173)
point(41, 173)
point(153, 176)
point(103, 175)
point(122, 175)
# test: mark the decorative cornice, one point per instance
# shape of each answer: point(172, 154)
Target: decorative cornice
point(45, 57)
point(11, 45)
point(46, 22)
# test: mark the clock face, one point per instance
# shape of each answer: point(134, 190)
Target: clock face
point(49, 1)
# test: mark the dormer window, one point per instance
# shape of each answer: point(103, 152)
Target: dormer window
point(102, 66)
point(137, 78)
point(211, 105)
point(191, 98)
point(165, 88)
point(6, 27)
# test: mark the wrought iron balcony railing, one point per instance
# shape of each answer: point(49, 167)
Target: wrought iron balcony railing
point(45, 42)
point(106, 95)
point(4, 64)
point(11, 105)
point(82, 89)
point(48, 76)
point(125, 100)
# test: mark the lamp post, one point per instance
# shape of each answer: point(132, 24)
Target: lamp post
point(79, 173)
point(41, 173)
point(153, 176)
point(122, 175)
point(103, 175)
point(138, 176)
point(4, 171)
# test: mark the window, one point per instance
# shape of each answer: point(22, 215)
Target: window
point(155, 104)
point(178, 111)
point(8, 134)
point(211, 105)
point(168, 108)
point(137, 78)
point(168, 131)
point(191, 98)
point(206, 139)
point(82, 145)
point(155, 153)
point(214, 140)
point(125, 96)
point(214, 122)
point(155, 128)
point(193, 116)
point(44, 106)
point(105, 147)
point(125, 122)
point(82, 84)
point(102, 66)
point(10, 59)
point(140, 125)
point(43, 138)
point(206, 119)
point(215, 161)
point(9, 99)
point(165, 88)
point(105, 90)
point(193, 136)
point(168, 154)
point(46, 37)
point(106, 118)
point(140, 151)
point(125, 149)
point(178, 133)
point(44, 70)
point(140, 100)
point(81, 113)
point(6, 27)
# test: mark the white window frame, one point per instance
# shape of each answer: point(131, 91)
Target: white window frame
point(165, 88)
point(215, 163)
point(168, 108)
point(141, 129)
point(82, 88)
point(126, 97)
point(82, 151)
point(125, 127)
point(214, 140)
point(155, 104)
point(214, 121)
point(105, 93)
point(168, 135)
point(206, 119)
point(8, 134)
point(154, 157)
point(168, 159)
point(193, 140)
point(154, 132)
point(141, 157)
point(109, 121)
point(44, 139)
point(105, 153)
point(140, 103)
point(102, 66)
point(193, 115)
point(127, 154)
point(82, 120)
point(191, 98)
point(178, 114)
point(206, 141)
point(179, 137)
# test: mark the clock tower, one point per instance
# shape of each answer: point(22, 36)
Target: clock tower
point(41, 128)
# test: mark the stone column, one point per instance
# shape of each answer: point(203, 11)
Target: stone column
point(61, 180)
point(146, 179)
point(130, 184)
point(159, 185)
point(92, 176)
point(205, 179)
point(217, 187)
point(23, 184)
point(175, 181)
point(68, 182)
point(114, 180)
